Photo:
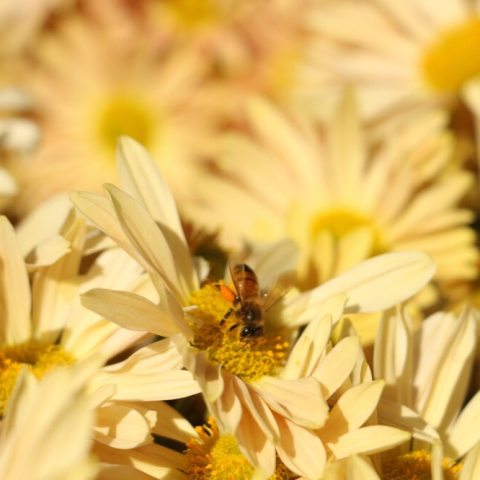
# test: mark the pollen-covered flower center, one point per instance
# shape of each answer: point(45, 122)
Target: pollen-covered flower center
point(218, 325)
point(418, 465)
point(125, 115)
point(212, 456)
point(453, 58)
point(37, 357)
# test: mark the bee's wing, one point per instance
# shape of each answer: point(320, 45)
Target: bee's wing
point(282, 285)
point(231, 266)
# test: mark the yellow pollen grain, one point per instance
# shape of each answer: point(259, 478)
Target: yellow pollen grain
point(249, 359)
point(212, 456)
point(37, 357)
point(416, 465)
point(453, 58)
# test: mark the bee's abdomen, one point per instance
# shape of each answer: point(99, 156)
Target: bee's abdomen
point(246, 281)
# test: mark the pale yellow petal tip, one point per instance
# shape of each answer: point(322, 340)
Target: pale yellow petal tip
point(128, 148)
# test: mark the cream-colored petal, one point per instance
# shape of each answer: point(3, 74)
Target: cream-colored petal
point(301, 450)
point(140, 177)
point(170, 423)
point(100, 211)
point(158, 246)
point(354, 467)
point(270, 260)
point(150, 387)
point(352, 410)
point(258, 409)
point(324, 254)
point(54, 288)
point(440, 196)
point(42, 223)
point(208, 374)
point(471, 465)
point(151, 373)
point(393, 356)
point(40, 416)
point(87, 332)
point(47, 252)
point(353, 247)
point(310, 346)
point(123, 472)
point(15, 299)
point(152, 459)
point(337, 365)
point(227, 409)
point(346, 149)
point(283, 138)
point(255, 445)
point(368, 440)
point(465, 432)
point(397, 415)
point(121, 427)
point(444, 383)
point(397, 275)
point(299, 400)
point(131, 311)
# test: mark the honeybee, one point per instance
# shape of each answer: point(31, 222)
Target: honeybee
point(249, 303)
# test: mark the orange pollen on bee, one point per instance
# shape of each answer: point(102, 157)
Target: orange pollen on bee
point(227, 293)
point(217, 329)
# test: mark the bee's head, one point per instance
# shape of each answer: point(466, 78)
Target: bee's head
point(252, 331)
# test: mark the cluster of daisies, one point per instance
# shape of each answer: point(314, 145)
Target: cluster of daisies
point(239, 240)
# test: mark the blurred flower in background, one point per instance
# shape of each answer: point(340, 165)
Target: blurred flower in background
point(339, 194)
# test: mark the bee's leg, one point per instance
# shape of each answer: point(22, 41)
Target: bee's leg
point(241, 346)
point(226, 316)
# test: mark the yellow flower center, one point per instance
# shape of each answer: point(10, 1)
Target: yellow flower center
point(194, 14)
point(218, 333)
point(37, 357)
point(212, 456)
point(416, 465)
point(453, 58)
point(282, 69)
point(340, 222)
point(125, 115)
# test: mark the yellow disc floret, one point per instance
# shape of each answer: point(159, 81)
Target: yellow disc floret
point(417, 465)
point(216, 326)
point(342, 221)
point(453, 58)
point(37, 357)
point(212, 456)
point(124, 114)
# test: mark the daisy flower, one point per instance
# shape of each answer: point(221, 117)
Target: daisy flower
point(397, 55)
point(40, 416)
point(340, 195)
point(247, 46)
point(45, 327)
point(427, 372)
point(269, 394)
point(93, 82)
